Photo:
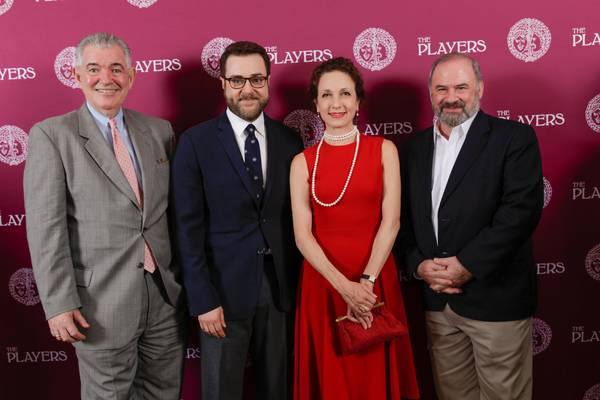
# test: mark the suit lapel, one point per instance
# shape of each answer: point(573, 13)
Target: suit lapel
point(145, 156)
point(476, 139)
point(98, 149)
point(227, 138)
point(426, 163)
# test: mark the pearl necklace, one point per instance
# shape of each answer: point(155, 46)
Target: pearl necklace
point(339, 138)
point(314, 174)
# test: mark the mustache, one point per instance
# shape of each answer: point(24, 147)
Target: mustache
point(248, 97)
point(454, 104)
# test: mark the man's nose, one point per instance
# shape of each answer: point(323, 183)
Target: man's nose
point(247, 88)
point(451, 96)
point(105, 75)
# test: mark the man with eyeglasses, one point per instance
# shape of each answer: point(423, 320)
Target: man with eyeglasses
point(230, 188)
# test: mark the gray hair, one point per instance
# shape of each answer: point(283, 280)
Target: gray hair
point(102, 40)
point(453, 56)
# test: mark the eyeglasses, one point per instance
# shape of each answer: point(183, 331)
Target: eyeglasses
point(238, 82)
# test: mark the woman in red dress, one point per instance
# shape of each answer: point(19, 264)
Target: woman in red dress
point(346, 207)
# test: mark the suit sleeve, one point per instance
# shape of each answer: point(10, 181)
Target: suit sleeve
point(406, 243)
point(519, 210)
point(190, 229)
point(170, 147)
point(45, 188)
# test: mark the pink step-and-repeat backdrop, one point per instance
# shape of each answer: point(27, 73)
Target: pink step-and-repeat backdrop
point(541, 65)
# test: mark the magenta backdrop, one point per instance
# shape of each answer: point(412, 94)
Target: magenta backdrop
point(541, 64)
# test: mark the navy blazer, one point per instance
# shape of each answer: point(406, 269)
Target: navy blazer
point(488, 212)
point(221, 228)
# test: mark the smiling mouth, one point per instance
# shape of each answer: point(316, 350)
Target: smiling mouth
point(107, 90)
point(455, 106)
point(337, 115)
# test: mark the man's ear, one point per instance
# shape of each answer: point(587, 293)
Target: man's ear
point(75, 72)
point(131, 74)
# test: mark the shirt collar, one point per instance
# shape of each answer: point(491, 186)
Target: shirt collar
point(238, 124)
point(457, 132)
point(102, 119)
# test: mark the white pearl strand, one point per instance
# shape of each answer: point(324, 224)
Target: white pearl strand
point(340, 138)
point(314, 174)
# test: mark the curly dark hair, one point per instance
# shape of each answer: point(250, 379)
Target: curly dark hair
point(337, 64)
point(244, 48)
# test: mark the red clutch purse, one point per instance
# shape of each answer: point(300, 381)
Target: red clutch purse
point(353, 338)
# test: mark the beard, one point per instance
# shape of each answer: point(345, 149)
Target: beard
point(455, 119)
point(247, 113)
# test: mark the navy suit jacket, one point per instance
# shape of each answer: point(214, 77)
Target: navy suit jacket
point(221, 228)
point(488, 212)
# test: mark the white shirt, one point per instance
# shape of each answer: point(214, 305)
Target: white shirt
point(445, 152)
point(239, 125)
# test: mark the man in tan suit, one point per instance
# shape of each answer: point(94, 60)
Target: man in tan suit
point(96, 189)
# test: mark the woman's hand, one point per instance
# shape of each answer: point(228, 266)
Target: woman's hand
point(358, 297)
point(367, 285)
point(365, 319)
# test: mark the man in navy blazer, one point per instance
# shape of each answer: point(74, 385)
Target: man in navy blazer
point(230, 188)
point(473, 197)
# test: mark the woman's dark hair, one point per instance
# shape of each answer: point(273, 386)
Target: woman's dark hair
point(337, 64)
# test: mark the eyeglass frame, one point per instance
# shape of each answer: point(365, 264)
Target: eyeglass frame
point(266, 79)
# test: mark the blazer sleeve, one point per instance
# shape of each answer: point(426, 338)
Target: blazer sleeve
point(45, 189)
point(190, 228)
point(406, 244)
point(519, 210)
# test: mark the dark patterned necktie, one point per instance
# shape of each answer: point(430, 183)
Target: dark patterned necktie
point(253, 162)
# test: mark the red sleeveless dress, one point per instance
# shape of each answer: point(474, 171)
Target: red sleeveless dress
point(346, 233)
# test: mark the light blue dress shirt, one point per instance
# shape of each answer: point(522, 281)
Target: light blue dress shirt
point(103, 125)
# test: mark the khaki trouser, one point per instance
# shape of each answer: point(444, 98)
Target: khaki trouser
point(479, 360)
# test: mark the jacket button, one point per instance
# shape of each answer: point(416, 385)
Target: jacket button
point(264, 220)
point(444, 253)
point(140, 265)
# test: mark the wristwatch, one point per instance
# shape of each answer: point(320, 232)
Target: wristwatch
point(370, 278)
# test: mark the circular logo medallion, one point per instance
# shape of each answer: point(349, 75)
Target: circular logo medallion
point(542, 335)
point(592, 393)
point(529, 39)
point(374, 49)
point(13, 145)
point(211, 55)
point(592, 262)
point(22, 287)
point(592, 114)
point(142, 3)
point(63, 67)
point(547, 192)
point(307, 124)
point(5, 5)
